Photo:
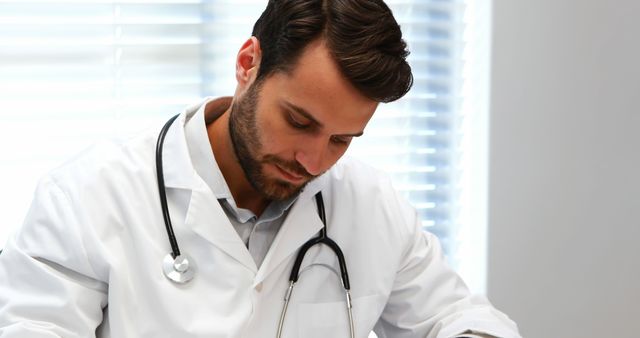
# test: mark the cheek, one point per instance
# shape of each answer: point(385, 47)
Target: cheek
point(273, 137)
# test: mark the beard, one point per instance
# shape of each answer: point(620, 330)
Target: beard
point(247, 146)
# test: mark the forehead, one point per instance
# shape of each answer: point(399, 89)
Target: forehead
point(316, 84)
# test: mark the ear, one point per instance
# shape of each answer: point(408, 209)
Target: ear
point(248, 62)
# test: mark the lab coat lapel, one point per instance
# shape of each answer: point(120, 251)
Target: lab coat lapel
point(302, 223)
point(206, 217)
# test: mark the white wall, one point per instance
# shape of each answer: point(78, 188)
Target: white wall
point(564, 206)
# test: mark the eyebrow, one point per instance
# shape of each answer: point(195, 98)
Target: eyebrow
point(310, 117)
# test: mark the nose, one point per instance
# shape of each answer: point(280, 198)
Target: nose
point(312, 156)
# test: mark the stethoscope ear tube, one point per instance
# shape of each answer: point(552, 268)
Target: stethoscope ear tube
point(295, 270)
point(324, 239)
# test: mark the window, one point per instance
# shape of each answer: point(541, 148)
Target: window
point(73, 72)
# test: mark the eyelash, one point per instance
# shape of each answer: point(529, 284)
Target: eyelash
point(295, 123)
point(338, 140)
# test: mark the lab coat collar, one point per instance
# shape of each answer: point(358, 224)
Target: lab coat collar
point(176, 162)
point(199, 145)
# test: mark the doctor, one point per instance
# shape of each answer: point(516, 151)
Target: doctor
point(241, 175)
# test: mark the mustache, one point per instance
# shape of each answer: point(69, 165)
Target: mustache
point(291, 166)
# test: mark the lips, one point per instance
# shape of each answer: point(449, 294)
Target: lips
point(290, 176)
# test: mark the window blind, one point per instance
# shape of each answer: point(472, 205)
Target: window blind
point(72, 72)
point(415, 140)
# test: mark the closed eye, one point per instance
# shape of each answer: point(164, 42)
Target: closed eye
point(296, 123)
point(341, 139)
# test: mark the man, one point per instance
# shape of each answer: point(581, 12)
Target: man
point(241, 177)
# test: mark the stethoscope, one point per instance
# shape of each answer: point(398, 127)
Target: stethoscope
point(179, 267)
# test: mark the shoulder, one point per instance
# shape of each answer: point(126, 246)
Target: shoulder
point(368, 215)
point(361, 177)
point(369, 193)
point(352, 179)
point(107, 160)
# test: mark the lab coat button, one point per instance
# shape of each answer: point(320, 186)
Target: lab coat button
point(258, 287)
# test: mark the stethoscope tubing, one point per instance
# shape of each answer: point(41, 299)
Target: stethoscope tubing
point(295, 270)
point(175, 249)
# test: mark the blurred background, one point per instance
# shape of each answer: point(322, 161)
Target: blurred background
point(517, 144)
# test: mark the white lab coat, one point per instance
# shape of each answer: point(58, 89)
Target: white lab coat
point(88, 259)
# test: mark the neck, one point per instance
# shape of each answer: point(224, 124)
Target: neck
point(242, 191)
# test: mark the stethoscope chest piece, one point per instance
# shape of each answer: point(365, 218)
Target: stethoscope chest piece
point(179, 270)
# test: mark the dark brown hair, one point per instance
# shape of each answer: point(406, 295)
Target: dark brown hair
point(362, 35)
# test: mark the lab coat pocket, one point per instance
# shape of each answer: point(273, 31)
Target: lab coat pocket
point(331, 319)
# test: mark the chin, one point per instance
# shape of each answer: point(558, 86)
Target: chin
point(281, 190)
